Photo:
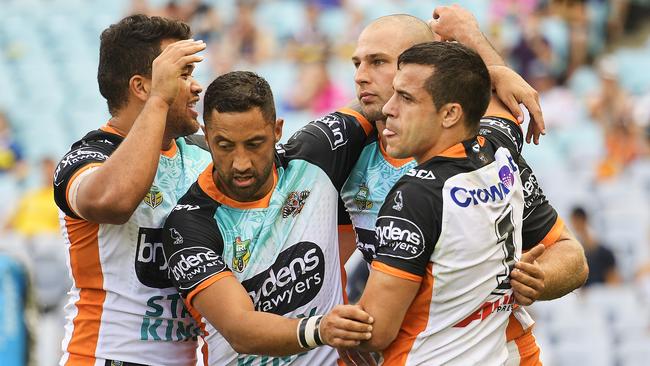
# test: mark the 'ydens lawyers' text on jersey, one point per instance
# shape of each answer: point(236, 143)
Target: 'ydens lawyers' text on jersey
point(123, 305)
point(282, 248)
point(364, 192)
point(459, 233)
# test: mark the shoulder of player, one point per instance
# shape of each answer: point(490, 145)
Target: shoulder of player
point(193, 205)
point(502, 126)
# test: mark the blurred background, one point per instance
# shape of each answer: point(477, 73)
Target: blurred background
point(589, 60)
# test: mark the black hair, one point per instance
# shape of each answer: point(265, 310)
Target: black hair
point(128, 48)
point(460, 76)
point(239, 91)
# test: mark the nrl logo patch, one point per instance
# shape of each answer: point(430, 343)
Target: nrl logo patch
point(154, 198)
point(294, 203)
point(242, 254)
point(361, 198)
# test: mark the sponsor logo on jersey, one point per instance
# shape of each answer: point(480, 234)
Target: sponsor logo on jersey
point(421, 173)
point(150, 264)
point(292, 281)
point(186, 207)
point(465, 197)
point(362, 198)
point(154, 197)
point(294, 203)
point(476, 147)
point(178, 239)
point(399, 203)
point(242, 254)
point(192, 265)
point(399, 237)
point(334, 131)
point(504, 303)
point(366, 241)
point(76, 156)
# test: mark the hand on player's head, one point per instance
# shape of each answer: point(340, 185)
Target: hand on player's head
point(451, 23)
point(172, 63)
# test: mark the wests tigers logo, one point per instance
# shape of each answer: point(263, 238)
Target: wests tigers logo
point(294, 203)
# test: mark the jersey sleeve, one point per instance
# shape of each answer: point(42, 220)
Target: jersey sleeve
point(193, 247)
point(541, 222)
point(503, 130)
point(333, 143)
point(407, 229)
point(83, 156)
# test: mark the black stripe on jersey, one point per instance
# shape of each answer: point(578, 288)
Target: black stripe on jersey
point(192, 241)
point(95, 147)
point(332, 143)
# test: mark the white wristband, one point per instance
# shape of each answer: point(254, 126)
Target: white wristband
point(308, 331)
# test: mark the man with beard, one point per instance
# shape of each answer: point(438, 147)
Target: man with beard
point(252, 246)
point(115, 187)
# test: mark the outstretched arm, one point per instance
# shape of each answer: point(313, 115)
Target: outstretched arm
point(227, 306)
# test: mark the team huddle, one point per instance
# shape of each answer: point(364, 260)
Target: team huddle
point(233, 237)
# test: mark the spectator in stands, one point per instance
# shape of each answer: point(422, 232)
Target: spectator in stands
point(310, 39)
point(11, 153)
point(245, 43)
point(611, 107)
point(315, 91)
point(600, 259)
point(36, 212)
point(205, 21)
point(558, 102)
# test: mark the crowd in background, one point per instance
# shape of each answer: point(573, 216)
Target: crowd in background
point(587, 59)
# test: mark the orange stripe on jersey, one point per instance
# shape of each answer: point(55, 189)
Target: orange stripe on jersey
point(74, 176)
point(207, 185)
point(384, 268)
point(415, 322)
point(555, 232)
point(88, 277)
point(514, 329)
point(346, 228)
point(168, 153)
point(197, 317)
point(111, 129)
point(525, 340)
point(481, 140)
point(344, 283)
point(507, 116)
point(205, 285)
point(397, 163)
point(367, 126)
point(171, 152)
point(456, 151)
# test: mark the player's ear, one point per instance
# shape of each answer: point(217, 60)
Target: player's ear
point(139, 87)
point(451, 113)
point(277, 129)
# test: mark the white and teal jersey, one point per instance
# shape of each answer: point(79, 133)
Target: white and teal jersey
point(364, 192)
point(122, 305)
point(283, 248)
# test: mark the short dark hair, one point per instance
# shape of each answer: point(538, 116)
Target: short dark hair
point(128, 48)
point(239, 91)
point(460, 76)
